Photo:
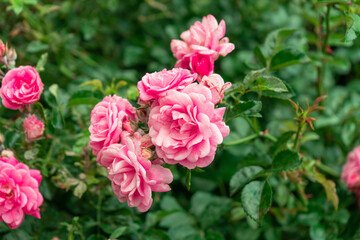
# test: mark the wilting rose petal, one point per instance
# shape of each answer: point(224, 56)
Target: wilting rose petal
point(33, 128)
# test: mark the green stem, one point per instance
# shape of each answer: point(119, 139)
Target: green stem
point(296, 146)
point(98, 214)
point(327, 29)
point(242, 140)
point(327, 169)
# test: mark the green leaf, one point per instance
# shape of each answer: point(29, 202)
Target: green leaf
point(281, 142)
point(256, 198)
point(287, 57)
point(11, 138)
point(53, 89)
point(243, 176)
point(275, 39)
point(57, 119)
point(249, 108)
point(132, 93)
point(345, 2)
point(348, 133)
point(260, 56)
point(252, 76)
point(41, 63)
point(269, 83)
point(188, 179)
point(36, 46)
point(284, 95)
point(330, 189)
point(96, 83)
point(118, 232)
point(352, 27)
point(83, 97)
point(285, 160)
point(17, 6)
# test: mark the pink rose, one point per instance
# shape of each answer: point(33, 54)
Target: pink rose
point(206, 38)
point(351, 171)
point(216, 85)
point(21, 86)
point(155, 85)
point(2, 48)
point(201, 64)
point(186, 128)
point(33, 128)
point(19, 192)
point(133, 176)
point(109, 119)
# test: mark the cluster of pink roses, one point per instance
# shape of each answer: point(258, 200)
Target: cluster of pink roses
point(351, 172)
point(19, 185)
point(183, 123)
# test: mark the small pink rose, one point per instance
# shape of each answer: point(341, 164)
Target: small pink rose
point(205, 38)
point(33, 128)
point(21, 86)
point(351, 171)
point(203, 65)
point(216, 85)
point(19, 192)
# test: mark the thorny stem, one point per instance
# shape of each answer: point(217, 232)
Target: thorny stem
point(296, 146)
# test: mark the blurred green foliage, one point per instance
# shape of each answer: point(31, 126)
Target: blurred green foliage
point(103, 47)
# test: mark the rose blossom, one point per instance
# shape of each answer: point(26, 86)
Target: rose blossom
point(33, 128)
point(201, 64)
point(351, 171)
point(205, 38)
point(109, 119)
point(186, 128)
point(21, 86)
point(19, 192)
point(155, 85)
point(216, 85)
point(133, 176)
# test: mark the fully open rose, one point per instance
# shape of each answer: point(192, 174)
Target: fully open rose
point(21, 86)
point(133, 176)
point(186, 128)
point(19, 192)
point(109, 119)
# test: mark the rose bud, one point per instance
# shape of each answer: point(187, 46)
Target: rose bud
point(33, 128)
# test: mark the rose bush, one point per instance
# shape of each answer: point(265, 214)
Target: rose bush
point(136, 144)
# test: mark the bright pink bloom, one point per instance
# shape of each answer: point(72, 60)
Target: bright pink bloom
point(155, 85)
point(216, 85)
point(201, 64)
point(186, 128)
point(19, 192)
point(109, 119)
point(351, 171)
point(21, 86)
point(133, 176)
point(205, 38)
point(33, 128)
